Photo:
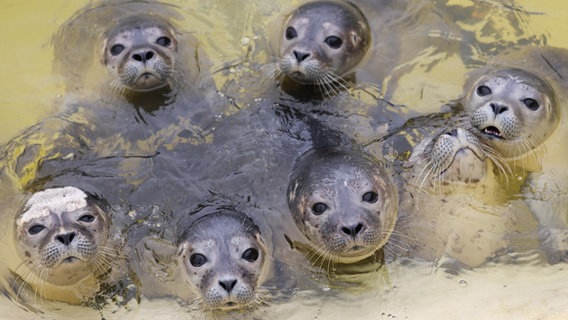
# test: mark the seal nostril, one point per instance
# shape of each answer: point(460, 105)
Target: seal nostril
point(453, 132)
point(66, 239)
point(301, 56)
point(352, 230)
point(228, 285)
point(143, 56)
point(497, 108)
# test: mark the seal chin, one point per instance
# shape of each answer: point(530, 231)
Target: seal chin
point(147, 82)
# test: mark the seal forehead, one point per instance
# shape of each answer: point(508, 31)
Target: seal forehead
point(56, 200)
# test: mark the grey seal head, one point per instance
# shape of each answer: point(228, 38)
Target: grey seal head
point(63, 238)
point(322, 42)
point(140, 53)
point(223, 258)
point(344, 203)
point(513, 110)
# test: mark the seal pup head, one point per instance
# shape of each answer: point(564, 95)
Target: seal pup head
point(63, 236)
point(223, 256)
point(322, 42)
point(455, 155)
point(514, 111)
point(140, 54)
point(343, 202)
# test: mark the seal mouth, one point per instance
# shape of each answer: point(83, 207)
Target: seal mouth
point(69, 259)
point(492, 132)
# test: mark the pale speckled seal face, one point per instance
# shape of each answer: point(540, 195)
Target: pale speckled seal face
point(515, 111)
point(140, 54)
point(344, 202)
point(323, 41)
point(223, 258)
point(62, 235)
point(455, 155)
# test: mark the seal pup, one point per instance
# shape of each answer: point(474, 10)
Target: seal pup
point(342, 200)
point(321, 44)
point(517, 110)
point(452, 205)
point(63, 236)
point(216, 264)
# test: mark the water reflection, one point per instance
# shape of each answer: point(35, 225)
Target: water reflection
point(243, 141)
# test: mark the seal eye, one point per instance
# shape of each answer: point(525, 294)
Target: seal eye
point(370, 197)
point(531, 104)
point(116, 49)
point(35, 229)
point(87, 218)
point(197, 260)
point(250, 255)
point(333, 42)
point(291, 33)
point(164, 41)
point(319, 208)
point(482, 91)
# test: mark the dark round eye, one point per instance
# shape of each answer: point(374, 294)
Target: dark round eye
point(291, 33)
point(370, 197)
point(116, 49)
point(531, 104)
point(197, 260)
point(482, 91)
point(333, 42)
point(250, 255)
point(35, 229)
point(87, 218)
point(164, 41)
point(319, 208)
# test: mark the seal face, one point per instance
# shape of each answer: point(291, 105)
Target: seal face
point(140, 54)
point(513, 110)
point(456, 155)
point(223, 256)
point(323, 41)
point(62, 235)
point(344, 203)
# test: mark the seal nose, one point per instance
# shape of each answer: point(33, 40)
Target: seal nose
point(301, 56)
point(352, 230)
point(66, 239)
point(143, 56)
point(228, 285)
point(453, 132)
point(497, 108)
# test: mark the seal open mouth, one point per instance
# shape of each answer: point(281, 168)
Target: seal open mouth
point(493, 132)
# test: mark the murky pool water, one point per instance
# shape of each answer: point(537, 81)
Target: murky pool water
point(440, 41)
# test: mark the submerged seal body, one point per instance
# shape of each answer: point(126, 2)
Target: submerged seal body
point(63, 237)
point(322, 42)
point(344, 203)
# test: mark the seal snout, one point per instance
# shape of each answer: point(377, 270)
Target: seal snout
point(143, 55)
point(301, 55)
point(228, 284)
point(352, 230)
point(65, 238)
